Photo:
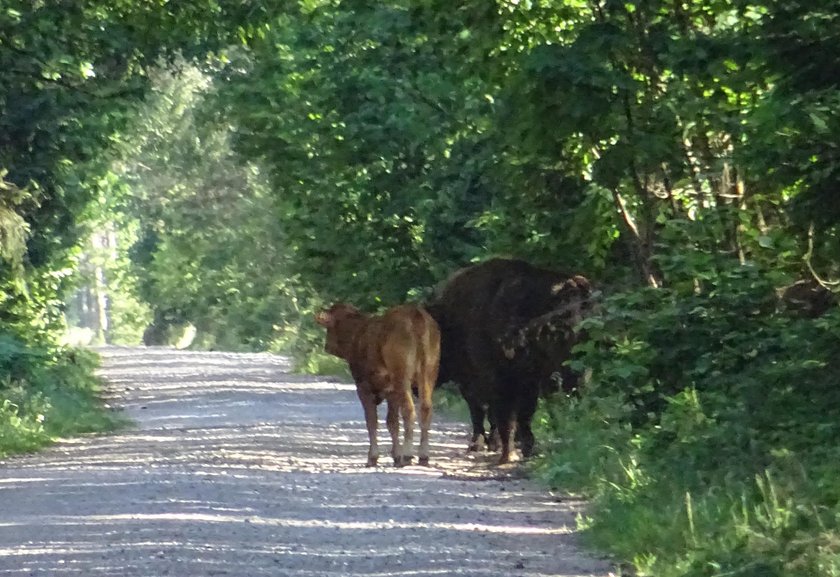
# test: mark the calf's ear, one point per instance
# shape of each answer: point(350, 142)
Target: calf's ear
point(324, 319)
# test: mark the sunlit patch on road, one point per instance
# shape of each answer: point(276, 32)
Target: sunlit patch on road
point(238, 467)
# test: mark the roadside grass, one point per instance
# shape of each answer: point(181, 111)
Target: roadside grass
point(319, 363)
point(49, 394)
point(655, 512)
point(768, 528)
point(708, 439)
point(448, 401)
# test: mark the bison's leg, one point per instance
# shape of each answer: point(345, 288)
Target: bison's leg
point(504, 420)
point(369, 406)
point(524, 415)
point(425, 420)
point(477, 415)
point(492, 438)
point(393, 422)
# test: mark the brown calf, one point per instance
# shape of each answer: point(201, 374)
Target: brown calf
point(388, 355)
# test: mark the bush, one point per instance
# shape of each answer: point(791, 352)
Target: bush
point(709, 434)
point(45, 393)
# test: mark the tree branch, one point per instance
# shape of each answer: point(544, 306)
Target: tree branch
point(828, 285)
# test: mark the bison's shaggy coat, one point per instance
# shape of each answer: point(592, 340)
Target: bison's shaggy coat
point(507, 327)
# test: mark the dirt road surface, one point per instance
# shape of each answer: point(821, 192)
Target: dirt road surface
point(235, 466)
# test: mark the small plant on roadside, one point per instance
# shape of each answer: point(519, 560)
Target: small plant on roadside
point(48, 392)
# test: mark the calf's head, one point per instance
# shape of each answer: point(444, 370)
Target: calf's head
point(334, 319)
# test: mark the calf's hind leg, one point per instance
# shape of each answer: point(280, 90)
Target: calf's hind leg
point(369, 406)
point(425, 421)
point(393, 422)
point(407, 408)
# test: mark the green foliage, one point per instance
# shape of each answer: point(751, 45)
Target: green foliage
point(73, 75)
point(46, 393)
point(695, 395)
point(449, 402)
point(394, 143)
point(205, 248)
point(352, 146)
point(249, 164)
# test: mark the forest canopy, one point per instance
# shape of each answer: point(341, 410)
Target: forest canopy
point(232, 166)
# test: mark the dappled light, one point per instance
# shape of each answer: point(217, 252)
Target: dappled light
point(209, 174)
point(236, 466)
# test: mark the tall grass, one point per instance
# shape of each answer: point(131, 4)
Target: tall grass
point(709, 437)
point(46, 394)
point(774, 517)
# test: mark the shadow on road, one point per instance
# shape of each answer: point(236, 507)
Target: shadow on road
point(237, 467)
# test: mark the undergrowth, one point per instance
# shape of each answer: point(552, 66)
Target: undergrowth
point(47, 393)
point(709, 438)
point(448, 401)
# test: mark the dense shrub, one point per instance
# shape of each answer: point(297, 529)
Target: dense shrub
point(709, 432)
point(47, 392)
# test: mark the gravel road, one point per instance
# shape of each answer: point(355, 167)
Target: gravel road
point(236, 466)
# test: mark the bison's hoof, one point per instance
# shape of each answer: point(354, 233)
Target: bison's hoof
point(371, 462)
point(504, 459)
point(424, 461)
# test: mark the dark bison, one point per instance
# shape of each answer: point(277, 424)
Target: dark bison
point(506, 329)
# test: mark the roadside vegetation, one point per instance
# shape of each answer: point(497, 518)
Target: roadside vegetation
point(230, 169)
point(48, 393)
